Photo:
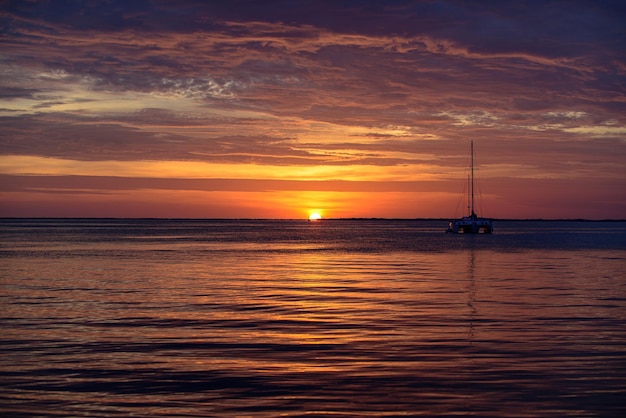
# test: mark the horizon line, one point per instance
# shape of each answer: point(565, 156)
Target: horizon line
point(301, 219)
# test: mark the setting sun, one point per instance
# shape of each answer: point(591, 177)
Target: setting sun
point(315, 216)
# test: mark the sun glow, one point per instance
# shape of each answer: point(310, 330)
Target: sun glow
point(315, 216)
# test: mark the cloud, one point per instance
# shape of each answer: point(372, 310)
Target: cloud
point(391, 89)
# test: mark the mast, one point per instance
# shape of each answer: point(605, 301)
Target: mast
point(472, 152)
point(469, 196)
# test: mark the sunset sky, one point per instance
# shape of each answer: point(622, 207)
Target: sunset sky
point(275, 109)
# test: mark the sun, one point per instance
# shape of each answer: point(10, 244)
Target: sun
point(315, 216)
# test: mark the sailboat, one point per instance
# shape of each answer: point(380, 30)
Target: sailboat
point(471, 224)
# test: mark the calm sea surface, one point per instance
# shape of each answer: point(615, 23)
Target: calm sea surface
point(149, 318)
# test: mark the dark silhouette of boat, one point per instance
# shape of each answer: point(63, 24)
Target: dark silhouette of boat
point(472, 223)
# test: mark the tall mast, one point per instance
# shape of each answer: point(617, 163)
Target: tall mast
point(472, 152)
point(469, 196)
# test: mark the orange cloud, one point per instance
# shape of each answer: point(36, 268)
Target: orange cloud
point(285, 106)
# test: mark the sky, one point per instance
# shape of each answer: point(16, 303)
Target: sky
point(277, 109)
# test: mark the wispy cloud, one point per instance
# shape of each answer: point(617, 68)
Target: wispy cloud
point(349, 91)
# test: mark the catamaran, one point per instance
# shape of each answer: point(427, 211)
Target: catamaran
point(471, 224)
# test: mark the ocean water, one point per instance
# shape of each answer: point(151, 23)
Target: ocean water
point(195, 318)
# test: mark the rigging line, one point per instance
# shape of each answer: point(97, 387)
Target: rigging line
point(461, 201)
point(465, 195)
point(479, 190)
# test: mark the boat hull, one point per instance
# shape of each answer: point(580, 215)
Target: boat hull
point(470, 225)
